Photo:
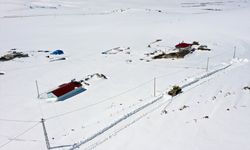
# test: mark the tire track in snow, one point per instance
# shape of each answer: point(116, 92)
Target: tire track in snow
point(126, 126)
point(77, 145)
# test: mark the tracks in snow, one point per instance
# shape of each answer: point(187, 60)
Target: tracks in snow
point(77, 145)
point(137, 110)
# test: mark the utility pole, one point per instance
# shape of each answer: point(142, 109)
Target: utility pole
point(154, 87)
point(207, 64)
point(37, 89)
point(234, 51)
point(45, 134)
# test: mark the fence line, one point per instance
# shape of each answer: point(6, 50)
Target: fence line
point(77, 145)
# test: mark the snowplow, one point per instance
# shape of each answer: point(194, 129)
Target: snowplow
point(175, 91)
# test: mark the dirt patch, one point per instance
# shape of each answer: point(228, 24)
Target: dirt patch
point(94, 76)
point(179, 54)
point(246, 88)
point(12, 55)
point(156, 52)
point(183, 107)
point(206, 117)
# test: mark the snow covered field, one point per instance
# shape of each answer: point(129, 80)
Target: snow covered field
point(123, 111)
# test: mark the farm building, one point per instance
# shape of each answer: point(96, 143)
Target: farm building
point(65, 91)
point(183, 46)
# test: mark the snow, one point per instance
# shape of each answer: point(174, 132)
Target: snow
point(187, 129)
point(86, 29)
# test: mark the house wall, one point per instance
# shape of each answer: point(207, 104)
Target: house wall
point(71, 94)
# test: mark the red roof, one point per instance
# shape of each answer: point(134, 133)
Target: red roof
point(66, 88)
point(183, 45)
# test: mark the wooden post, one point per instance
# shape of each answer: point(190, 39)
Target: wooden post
point(45, 134)
point(207, 64)
point(234, 51)
point(37, 89)
point(154, 87)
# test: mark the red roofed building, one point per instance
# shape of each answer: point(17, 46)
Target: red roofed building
point(183, 46)
point(66, 91)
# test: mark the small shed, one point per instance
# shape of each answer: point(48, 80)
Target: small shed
point(66, 91)
point(57, 52)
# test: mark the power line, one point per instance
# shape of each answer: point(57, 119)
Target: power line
point(168, 74)
point(20, 121)
point(27, 130)
point(102, 101)
point(93, 104)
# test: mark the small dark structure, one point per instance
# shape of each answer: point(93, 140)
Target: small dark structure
point(43, 51)
point(206, 117)
point(195, 43)
point(57, 59)
point(204, 48)
point(246, 88)
point(57, 52)
point(175, 91)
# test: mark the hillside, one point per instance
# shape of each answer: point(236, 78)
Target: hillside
point(118, 39)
